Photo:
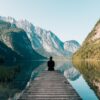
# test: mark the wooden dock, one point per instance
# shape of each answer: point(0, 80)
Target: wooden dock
point(50, 85)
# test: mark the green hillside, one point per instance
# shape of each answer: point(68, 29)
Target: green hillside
point(14, 43)
point(90, 48)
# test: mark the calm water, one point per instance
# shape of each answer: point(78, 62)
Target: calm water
point(77, 81)
point(30, 70)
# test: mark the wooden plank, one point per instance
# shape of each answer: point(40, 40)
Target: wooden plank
point(50, 85)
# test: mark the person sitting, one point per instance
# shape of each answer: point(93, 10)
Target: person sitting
point(51, 64)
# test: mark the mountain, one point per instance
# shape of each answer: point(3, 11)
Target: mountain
point(44, 42)
point(15, 43)
point(91, 46)
point(71, 46)
point(6, 53)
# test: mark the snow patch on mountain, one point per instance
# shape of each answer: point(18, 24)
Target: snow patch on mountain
point(71, 74)
point(44, 42)
point(71, 46)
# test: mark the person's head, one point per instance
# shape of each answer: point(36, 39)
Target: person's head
point(51, 58)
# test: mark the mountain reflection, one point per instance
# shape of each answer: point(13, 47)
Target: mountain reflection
point(68, 70)
point(9, 88)
point(91, 73)
point(30, 70)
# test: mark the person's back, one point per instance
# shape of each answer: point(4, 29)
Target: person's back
point(51, 64)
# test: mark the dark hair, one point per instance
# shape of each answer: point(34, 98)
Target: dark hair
point(51, 58)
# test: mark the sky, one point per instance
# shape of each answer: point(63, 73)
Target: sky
point(68, 19)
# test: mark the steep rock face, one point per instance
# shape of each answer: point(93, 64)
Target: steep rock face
point(16, 40)
point(46, 43)
point(51, 44)
point(6, 54)
point(91, 46)
point(30, 30)
point(71, 46)
point(94, 35)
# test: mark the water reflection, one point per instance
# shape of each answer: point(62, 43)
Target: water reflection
point(17, 81)
point(68, 70)
point(76, 79)
point(38, 70)
point(30, 70)
point(91, 73)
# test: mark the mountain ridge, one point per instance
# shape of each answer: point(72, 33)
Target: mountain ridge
point(44, 42)
point(14, 41)
point(91, 45)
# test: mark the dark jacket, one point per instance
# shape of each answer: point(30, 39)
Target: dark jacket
point(51, 65)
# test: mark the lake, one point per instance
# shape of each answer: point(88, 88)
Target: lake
point(83, 76)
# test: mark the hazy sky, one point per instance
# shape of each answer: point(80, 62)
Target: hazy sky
point(68, 19)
